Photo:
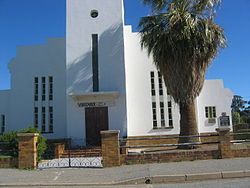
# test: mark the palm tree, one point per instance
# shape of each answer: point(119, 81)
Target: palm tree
point(183, 39)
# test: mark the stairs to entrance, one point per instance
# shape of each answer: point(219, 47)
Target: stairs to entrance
point(82, 152)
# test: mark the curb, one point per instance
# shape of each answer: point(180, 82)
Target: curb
point(160, 179)
point(187, 177)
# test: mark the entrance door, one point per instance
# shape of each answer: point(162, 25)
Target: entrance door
point(96, 120)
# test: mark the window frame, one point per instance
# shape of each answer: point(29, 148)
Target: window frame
point(3, 123)
point(43, 88)
point(210, 112)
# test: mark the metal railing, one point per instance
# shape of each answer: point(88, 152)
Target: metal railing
point(243, 133)
point(123, 140)
point(6, 149)
point(168, 145)
point(169, 137)
point(240, 141)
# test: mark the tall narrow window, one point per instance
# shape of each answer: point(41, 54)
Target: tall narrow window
point(160, 84)
point(36, 88)
point(162, 114)
point(43, 119)
point(43, 88)
point(170, 114)
point(2, 123)
point(50, 88)
point(95, 62)
point(36, 117)
point(152, 77)
point(51, 119)
point(154, 114)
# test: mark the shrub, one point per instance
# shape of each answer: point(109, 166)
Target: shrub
point(41, 145)
point(12, 138)
point(10, 143)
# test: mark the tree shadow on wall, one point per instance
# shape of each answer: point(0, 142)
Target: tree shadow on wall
point(111, 65)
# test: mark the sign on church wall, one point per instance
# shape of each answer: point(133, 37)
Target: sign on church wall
point(95, 104)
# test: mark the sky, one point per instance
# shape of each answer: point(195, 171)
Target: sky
point(29, 22)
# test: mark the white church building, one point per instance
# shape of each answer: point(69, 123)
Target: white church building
point(98, 78)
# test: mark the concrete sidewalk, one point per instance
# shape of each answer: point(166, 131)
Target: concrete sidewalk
point(131, 174)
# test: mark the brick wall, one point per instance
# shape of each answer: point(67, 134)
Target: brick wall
point(59, 150)
point(8, 162)
point(241, 152)
point(110, 148)
point(211, 138)
point(166, 141)
point(151, 142)
point(177, 156)
point(27, 145)
point(170, 157)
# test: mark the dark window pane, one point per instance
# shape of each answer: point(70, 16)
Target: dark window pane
point(95, 62)
point(153, 92)
point(162, 123)
point(154, 104)
point(152, 74)
point(155, 123)
point(170, 122)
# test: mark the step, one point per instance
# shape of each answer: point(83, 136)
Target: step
point(81, 155)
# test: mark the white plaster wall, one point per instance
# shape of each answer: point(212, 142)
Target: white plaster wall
point(109, 27)
point(139, 103)
point(213, 94)
point(4, 106)
point(37, 61)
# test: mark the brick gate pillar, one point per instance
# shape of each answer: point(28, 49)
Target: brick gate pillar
point(27, 145)
point(59, 150)
point(224, 143)
point(110, 148)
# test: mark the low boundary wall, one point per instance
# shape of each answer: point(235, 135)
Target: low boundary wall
point(223, 139)
point(141, 142)
point(8, 162)
point(27, 153)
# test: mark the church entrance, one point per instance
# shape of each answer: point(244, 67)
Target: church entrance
point(96, 120)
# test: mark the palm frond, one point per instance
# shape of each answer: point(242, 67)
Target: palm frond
point(183, 41)
point(157, 5)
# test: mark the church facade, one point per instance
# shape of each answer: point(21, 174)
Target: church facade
point(98, 78)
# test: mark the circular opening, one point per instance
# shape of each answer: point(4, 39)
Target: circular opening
point(94, 13)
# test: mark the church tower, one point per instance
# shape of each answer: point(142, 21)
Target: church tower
point(95, 70)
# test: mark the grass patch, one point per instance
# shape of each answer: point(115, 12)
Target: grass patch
point(5, 156)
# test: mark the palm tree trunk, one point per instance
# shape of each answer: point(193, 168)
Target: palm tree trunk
point(188, 125)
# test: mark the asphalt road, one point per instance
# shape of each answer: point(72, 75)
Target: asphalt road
point(227, 183)
point(123, 173)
